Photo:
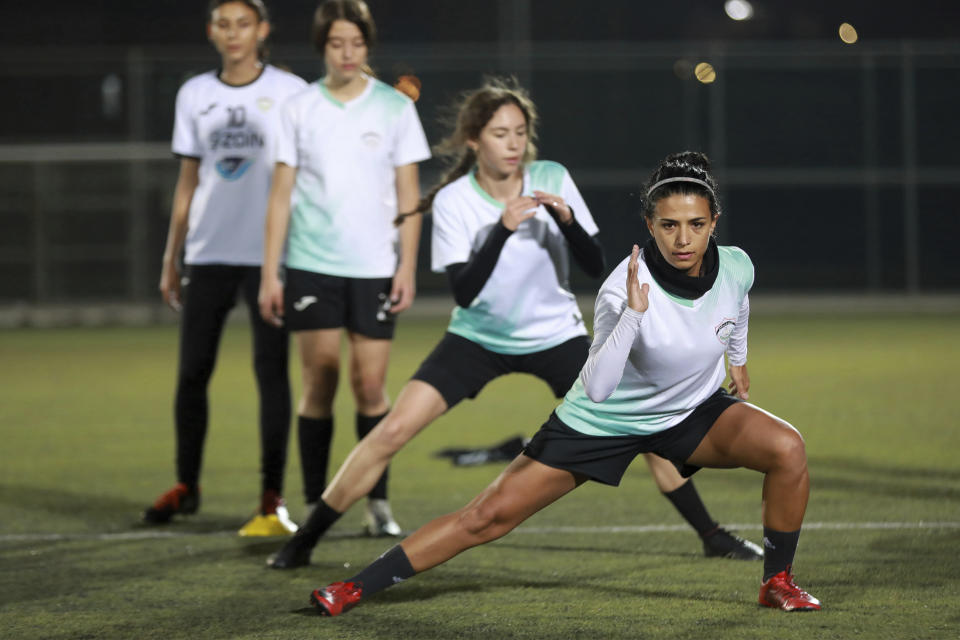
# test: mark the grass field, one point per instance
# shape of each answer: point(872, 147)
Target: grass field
point(87, 442)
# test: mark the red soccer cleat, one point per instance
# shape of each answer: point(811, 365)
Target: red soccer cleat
point(336, 598)
point(178, 500)
point(780, 592)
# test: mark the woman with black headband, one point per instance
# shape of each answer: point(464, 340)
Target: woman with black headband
point(665, 318)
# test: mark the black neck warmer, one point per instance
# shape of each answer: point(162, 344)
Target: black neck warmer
point(676, 281)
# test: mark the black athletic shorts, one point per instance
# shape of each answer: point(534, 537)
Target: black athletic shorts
point(459, 368)
point(606, 458)
point(318, 301)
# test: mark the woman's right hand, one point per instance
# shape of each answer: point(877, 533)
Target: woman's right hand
point(519, 209)
point(270, 300)
point(636, 294)
point(170, 285)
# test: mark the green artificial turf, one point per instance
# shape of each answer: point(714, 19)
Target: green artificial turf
point(87, 443)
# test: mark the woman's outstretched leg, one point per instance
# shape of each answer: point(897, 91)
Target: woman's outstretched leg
point(524, 487)
point(418, 405)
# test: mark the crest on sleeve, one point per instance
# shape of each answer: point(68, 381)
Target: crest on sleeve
point(724, 329)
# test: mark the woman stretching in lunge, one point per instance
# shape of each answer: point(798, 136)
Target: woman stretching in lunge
point(664, 319)
point(502, 227)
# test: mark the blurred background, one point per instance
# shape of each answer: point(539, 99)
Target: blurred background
point(831, 126)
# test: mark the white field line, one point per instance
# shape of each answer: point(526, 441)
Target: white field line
point(154, 534)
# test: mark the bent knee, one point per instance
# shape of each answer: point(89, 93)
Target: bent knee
point(370, 397)
point(392, 433)
point(790, 450)
point(484, 522)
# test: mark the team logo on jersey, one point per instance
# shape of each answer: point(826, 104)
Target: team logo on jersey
point(208, 109)
point(264, 103)
point(371, 139)
point(233, 168)
point(304, 302)
point(724, 329)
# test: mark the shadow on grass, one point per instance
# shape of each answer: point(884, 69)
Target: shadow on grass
point(857, 476)
point(903, 561)
point(885, 471)
point(104, 512)
point(50, 569)
point(578, 549)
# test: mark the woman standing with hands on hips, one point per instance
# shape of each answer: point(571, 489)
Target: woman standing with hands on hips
point(347, 159)
point(504, 228)
point(665, 318)
point(223, 134)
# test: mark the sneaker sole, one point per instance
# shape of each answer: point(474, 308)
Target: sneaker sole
point(794, 609)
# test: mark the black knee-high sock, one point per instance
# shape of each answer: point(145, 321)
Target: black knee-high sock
point(315, 436)
point(686, 500)
point(387, 570)
point(779, 548)
point(365, 425)
point(321, 518)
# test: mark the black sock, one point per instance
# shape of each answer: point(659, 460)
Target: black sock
point(387, 570)
point(365, 425)
point(321, 518)
point(315, 437)
point(779, 548)
point(686, 500)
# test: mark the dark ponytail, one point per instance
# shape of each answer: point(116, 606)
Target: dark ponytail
point(687, 164)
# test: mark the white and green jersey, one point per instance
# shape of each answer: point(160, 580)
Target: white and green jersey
point(345, 197)
point(526, 304)
point(230, 130)
point(672, 358)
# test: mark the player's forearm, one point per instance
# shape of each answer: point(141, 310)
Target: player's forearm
point(180, 210)
point(467, 279)
point(737, 345)
point(604, 368)
point(275, 232)
point(408, 197)
point(277, 219)
point(409, 243)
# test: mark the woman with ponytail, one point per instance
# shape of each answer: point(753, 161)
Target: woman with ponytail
point(504, 228)
point(665, 319)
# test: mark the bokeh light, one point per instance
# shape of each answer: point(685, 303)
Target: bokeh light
point(705, 72)
point(738, 9)
point(847, 33)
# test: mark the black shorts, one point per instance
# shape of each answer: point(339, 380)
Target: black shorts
point(459, 368)
point(606, 458)
point(318, 301)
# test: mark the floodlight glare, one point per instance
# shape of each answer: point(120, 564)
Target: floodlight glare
point(738, 9)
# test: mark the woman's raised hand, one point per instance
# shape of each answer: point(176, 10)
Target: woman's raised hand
point(636, 294)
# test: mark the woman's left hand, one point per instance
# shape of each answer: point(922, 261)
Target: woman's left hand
point(560, 211)
point(739, 381)
point(403, 290)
